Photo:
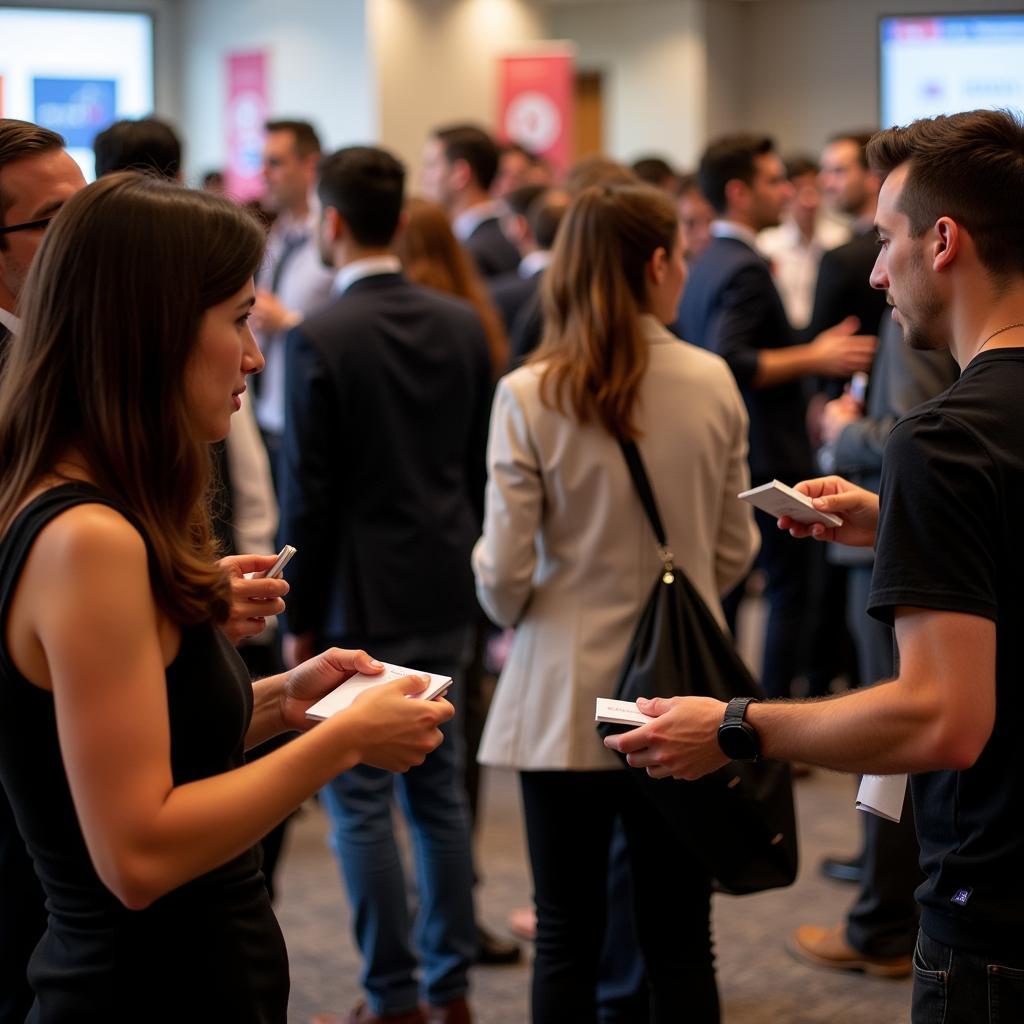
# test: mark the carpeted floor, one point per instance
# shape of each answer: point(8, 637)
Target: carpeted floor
point(760, 983)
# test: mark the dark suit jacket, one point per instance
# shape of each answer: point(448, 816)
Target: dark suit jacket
point(731, 306)
point(511, 292)
point(493, 252)
point(844, 289)
point(387, 403)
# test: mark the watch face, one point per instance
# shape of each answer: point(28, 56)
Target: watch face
point(738, 741)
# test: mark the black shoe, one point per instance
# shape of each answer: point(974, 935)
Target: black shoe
point(495, 951)
point(851, 870)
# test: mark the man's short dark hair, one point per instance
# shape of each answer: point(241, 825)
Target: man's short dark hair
point(520, 199)
point(654, 170)
point(730, 158)
point(365, 185)
point(20, 139)
point(472, 144)
point(145, 145)
point(306, 139)
point(545, 216)
point(799, 165)
point(969, 167)
point(859, 139)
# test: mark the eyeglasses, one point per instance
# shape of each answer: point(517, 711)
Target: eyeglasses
point(29, 225)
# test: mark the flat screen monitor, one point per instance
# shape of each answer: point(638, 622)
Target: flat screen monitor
point(75, 71)
point(942, 64)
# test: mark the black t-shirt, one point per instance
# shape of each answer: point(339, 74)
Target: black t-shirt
point(950, 539)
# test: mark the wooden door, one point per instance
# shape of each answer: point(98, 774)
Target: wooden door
point(588, 115)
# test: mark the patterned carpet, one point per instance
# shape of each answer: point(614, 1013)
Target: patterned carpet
point(760, 983)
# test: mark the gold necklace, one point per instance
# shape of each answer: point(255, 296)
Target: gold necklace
point(1008, 327)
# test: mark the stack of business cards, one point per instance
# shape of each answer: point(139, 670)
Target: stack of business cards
point(620, 712)
point(340, 698)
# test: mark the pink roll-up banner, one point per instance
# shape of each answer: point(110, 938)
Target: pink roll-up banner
point(248, 104)
point(536, 89)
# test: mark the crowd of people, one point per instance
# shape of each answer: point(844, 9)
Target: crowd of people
point(425, 390)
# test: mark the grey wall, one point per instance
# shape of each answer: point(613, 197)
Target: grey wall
point(810, 67)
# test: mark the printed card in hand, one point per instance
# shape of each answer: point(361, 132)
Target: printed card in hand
point(620, 712)
point(778, 500)
point(340, 698)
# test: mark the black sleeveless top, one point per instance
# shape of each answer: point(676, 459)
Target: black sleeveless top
point(209, 950)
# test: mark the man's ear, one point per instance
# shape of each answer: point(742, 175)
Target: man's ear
point(737, 193)
point(947, 243)
point(459, 174)
point(335, 227)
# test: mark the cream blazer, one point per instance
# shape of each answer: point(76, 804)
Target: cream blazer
point(568, 558)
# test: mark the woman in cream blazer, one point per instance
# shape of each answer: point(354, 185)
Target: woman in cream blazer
point(568, 558)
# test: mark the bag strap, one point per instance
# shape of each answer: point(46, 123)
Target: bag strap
point(646, 495)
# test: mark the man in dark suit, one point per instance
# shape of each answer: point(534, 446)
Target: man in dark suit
point(531, 222)
point(849, 187)
point(387, 403)
point(36, 178)
point(459, 166)
point(732, 307)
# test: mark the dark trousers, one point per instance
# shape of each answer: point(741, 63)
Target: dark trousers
point(955, 987)
point(622, 989)
point(883, 920)
point(786, 564)
point(569, 822)
point(22, 918)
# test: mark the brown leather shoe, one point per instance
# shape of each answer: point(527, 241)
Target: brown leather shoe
point(455, 1012)
point(827, 947)
point(362, 1014)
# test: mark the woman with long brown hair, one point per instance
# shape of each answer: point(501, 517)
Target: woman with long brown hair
point(431, 256)
point(124, 711)
point(567, 557)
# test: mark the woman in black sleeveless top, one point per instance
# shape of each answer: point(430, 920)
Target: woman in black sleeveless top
point(124, 711)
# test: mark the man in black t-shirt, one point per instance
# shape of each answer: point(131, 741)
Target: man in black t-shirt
point(949, 560)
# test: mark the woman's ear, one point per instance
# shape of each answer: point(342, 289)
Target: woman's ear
point(657, 266)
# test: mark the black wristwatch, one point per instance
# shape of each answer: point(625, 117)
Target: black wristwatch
point(736, 737)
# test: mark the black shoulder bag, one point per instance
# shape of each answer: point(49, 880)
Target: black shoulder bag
point(739, 821)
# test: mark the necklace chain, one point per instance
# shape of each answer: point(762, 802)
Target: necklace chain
point(1008, 327)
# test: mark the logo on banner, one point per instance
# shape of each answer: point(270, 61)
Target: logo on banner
point(77, 108)
point(533, 120)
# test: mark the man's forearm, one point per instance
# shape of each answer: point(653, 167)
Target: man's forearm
point(779, 365)
point(882, 730)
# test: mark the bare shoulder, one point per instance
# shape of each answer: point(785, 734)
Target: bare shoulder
point(90, 534)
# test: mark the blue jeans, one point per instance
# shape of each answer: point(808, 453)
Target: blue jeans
point(433, 798)
point(956, 987)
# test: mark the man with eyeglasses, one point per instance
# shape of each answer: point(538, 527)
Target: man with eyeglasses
point(36, 178)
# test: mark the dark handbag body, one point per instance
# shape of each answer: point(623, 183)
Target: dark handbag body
point(739, 821)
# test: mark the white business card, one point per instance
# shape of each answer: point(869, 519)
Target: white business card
point(620, 712)
point(340, 698)
point(882, 795)
point(778, 500)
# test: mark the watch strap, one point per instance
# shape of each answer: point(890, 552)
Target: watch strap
point(737, 709)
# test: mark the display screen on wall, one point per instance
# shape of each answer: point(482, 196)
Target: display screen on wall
point(75, 71)
point(942, 64)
